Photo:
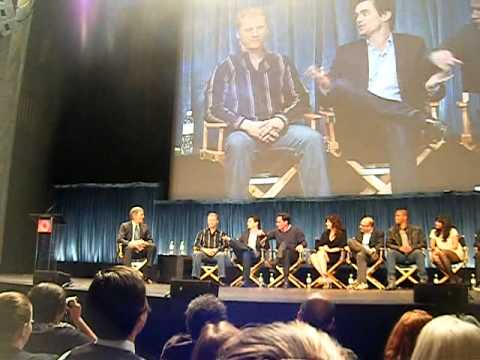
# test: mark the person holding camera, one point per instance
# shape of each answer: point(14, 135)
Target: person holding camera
point(51, 333)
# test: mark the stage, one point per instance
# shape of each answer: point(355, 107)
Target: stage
point(258, 295)
point(364, 318)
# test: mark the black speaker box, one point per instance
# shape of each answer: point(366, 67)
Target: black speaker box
point(443, 295)
point(190, 289)
point(58, 277)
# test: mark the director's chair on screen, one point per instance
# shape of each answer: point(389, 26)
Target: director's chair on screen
point(371, 269)
point(263, 185)
point(332, 271)
point(466, 139)
point(253, 270)
point(377, 174)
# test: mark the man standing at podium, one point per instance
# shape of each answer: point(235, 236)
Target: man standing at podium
point(135, 241)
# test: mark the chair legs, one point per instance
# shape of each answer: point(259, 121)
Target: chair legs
point(406, 273)
point(210, 271)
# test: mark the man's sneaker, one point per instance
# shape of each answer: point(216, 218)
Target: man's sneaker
point(361, 286)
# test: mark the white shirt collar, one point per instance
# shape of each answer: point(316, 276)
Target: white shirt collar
point(126, 345)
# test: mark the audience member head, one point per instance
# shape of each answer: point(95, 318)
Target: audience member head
point(48, 302)
point(16, 320)
point(252, 28)
point(402, 339)
point(372, 16)
point(137, 214)
point(282, 221)
point(116, 304)
point(213, 219)
point(401, 217)
point(253, 222)
point(333, 222)
point(448, 337)
point(211, 339)
point(203, 310)
point(295, 340)
point(443, 226)
point(319, 313)
point(475, 5)
point(367, 224)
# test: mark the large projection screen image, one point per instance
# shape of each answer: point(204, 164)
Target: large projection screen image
point(315, 98)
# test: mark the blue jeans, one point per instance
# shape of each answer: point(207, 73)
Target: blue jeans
point(416, 257)
point(240, 151)
point(199, 258)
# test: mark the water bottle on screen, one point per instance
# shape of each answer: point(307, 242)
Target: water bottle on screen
point(350, 280)
point(309, 281)
point(473, 281)
point(261, 283)
point(171, 248)
point(182, 248)
point(435, 279)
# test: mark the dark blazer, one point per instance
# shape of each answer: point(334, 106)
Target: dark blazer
point(413, 68)
point(415, 234)
point(100, 352)
point(244, 238)
point(124, 235)
point(15, 354)
point(377, 240)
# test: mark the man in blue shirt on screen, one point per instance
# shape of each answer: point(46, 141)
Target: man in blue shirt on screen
point(378, 87)
point(259, 95)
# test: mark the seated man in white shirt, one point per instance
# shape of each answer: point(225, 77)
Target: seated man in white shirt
point(118, 309)
point(247, 248)
point(366, 249)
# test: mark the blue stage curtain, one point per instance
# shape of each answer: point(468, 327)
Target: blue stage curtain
point(94, 212)
point(308, 31)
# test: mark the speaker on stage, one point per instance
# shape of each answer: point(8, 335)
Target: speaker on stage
point(57, 277)
point(190, 289)
point(453, 296)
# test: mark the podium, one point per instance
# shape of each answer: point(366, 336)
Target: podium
point(45, 266)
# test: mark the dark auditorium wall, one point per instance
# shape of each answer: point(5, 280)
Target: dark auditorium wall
point(95, 105)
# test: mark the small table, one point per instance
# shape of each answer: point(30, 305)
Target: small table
point(173, 267)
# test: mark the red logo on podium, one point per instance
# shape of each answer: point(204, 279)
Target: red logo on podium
point(44, 226)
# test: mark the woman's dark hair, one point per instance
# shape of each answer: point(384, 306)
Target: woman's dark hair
point(336, 223)
point(15, 312)
point(48, 302)
point(256, 219)
point(447, 227)
point(211, 339)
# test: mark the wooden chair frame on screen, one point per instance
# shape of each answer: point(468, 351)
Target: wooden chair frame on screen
point(466, 139)
point(331, 272)
point(293, 269)
point(372, 269)
point(253, 270)
point(377, 176)
point(136, 263)
point(455, 267)
point(216, 153)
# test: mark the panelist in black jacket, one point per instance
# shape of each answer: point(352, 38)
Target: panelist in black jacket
point(247, 248)
point(378, 87)
point(366, 249)
point(135, 241)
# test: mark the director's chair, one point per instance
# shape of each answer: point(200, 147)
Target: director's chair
point(456, 267)
point(265, 185)
point(253, 270)
point(331, 272)
point(372, 269)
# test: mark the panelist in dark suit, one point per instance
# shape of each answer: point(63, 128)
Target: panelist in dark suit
point(366, 249)
point(378, 87)
point(135, 241)
point(247, 248)
point(16, 327)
